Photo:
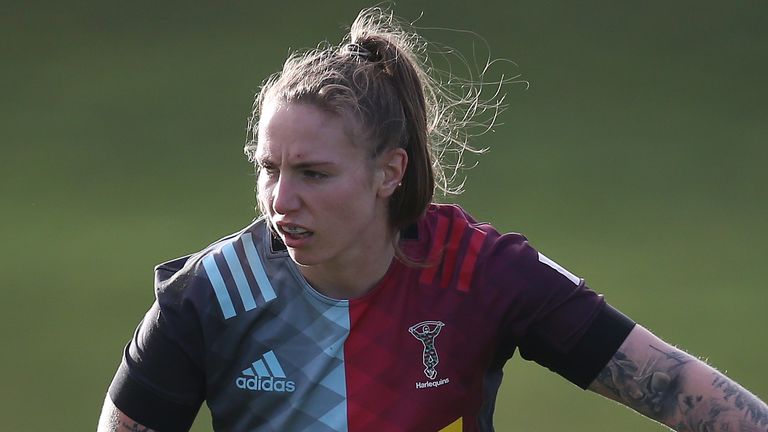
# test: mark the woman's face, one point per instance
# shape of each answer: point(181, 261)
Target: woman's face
point(321, 191)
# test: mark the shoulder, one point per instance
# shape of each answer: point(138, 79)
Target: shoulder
point(454, 247)
point(448, 226)
point(451, 239)
point(215, 270)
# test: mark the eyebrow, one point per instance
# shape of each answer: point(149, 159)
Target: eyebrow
point(299, 165)
point(311, 164)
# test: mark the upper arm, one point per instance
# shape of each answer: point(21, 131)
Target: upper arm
point(158, 382)
point(114, 420)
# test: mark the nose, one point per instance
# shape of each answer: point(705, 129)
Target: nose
point(285, 196)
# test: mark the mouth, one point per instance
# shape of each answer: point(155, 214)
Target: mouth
point(293, 231)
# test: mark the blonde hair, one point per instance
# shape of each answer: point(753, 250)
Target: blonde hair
point(378, 74)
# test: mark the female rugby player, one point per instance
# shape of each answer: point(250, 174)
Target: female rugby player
point(356, 304)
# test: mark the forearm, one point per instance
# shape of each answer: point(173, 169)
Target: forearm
point(672, 387)
point(710, 401)
point(114, 420)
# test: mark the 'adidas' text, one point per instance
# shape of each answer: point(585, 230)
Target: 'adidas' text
point(267, 384)
point(265, 374)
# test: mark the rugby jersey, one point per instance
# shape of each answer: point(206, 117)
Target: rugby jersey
point(237, 326)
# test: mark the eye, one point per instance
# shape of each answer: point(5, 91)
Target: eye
point(314, 175)
point(266, 168)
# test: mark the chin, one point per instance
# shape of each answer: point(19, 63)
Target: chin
point(302, 258)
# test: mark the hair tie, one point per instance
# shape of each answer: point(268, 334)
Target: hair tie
point(356, 50)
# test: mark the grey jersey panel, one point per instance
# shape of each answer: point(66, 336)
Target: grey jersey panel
point(278, 361)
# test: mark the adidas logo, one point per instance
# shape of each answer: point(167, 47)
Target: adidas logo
point(266, 375)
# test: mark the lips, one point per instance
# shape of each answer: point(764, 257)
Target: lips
point(294, 232)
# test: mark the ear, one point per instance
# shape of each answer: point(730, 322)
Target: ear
point(391, 170)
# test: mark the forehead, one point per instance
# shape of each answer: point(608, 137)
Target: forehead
point(302, 130)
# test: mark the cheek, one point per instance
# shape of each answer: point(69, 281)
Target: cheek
point(263, 192)
point(355, 198)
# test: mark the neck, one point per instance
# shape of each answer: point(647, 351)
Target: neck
point(352, 278)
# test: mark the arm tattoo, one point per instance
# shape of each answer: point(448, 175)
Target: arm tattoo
point(649, 388)
point(135, 427)
point(655, 387)
point(755, 412)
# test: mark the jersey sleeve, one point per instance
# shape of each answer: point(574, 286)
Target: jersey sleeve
point(551, 315)
point(160, 382)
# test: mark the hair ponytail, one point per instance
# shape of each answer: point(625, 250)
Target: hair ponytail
point(376, 76)
point(400, 68)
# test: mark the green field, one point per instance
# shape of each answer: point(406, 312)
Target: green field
point(637, 158)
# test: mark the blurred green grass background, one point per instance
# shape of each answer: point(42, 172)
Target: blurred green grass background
point(637, 159)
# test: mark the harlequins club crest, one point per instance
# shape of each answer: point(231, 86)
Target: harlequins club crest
point(426, 332)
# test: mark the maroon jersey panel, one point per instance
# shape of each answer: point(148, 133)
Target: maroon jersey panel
point(427, 345)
